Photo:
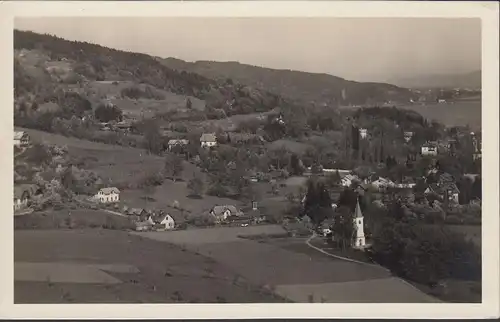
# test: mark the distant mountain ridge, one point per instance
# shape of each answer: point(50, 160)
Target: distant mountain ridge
point(297, 85)
point(470, 80)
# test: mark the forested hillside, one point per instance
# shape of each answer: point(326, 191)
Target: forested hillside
point(302, 86)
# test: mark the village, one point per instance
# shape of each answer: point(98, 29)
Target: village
point(161, 180)
point(443, 186)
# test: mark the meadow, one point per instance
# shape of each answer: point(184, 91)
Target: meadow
point(290, 271)
point(162, 272)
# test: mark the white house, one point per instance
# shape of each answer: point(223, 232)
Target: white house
point(347, 180)
point(208, 140)
point(363, 133)
point(382, 183)
point(21, 139)
point(359, 240)
point(108, 195)
point(168, 222)
point(21, 197)
point(429, 149)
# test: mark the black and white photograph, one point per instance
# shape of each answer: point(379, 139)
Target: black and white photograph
point(250, 159)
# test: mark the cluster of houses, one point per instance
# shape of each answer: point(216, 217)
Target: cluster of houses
point(151, 220)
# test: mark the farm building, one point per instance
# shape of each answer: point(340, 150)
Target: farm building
point(208, 140)
point(176, 143)
point(21, 139)
point(107, 195)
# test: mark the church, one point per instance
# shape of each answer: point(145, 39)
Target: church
point(359, 241)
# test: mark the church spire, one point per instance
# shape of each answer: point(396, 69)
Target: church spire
point(357, 212)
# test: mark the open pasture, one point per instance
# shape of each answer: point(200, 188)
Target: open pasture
point(143, 271)
point(289, 270)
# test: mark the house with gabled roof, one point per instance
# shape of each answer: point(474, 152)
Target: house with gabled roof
point(21, 139)
point(108, 195)
point(208, 140)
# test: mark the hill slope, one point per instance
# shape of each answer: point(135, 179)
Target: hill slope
point(45, 64)
point(306, 87)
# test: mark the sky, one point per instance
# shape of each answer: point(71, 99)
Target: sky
point(362, 49)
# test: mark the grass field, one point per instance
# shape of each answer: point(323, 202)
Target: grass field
point(78, 218)
point(165, 195)
point(292, 270)
point(166, 273)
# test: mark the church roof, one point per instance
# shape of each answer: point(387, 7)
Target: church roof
point(357, 212)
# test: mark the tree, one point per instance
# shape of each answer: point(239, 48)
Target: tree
point(318, 204)
point(152, 138)
point(173, 166)
point(189, 104)
point(196, 186)
point(343, 227)
point(107, 113)
point(347, 198)
point(38, 154)
point(296, 166)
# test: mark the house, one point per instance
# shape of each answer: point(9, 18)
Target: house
point(445, 187)
point(21, 197)
point(123, 126)
point(429, 149)
point(21, 139)
point(176, 143)
point(166, 222)
point(407, 136)
point(108, 195)
point(382, 183)
point(208, 140)
point(221, 213)
point(326, 227)
point(23, 193)
point(347, 180)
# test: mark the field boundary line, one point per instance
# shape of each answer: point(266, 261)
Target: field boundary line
point(308, 243)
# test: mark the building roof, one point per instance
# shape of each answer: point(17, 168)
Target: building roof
point(136, 211)
point(18, 135)
point(357, 211)
point(30, 189)
point(174, 141)
point(219, 210)
point(208, 137)
point(109, 190)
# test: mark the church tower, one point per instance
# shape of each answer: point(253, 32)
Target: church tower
point(359, 233)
